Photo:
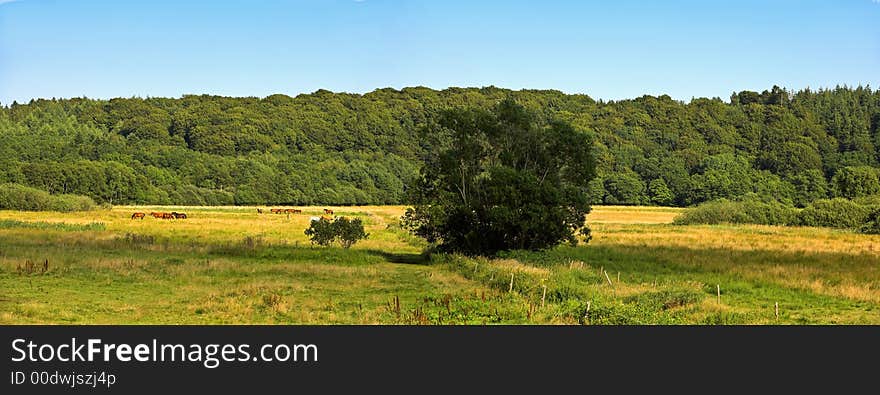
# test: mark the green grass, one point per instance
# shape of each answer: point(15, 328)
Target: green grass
point(746, 298)
point(231, 266)
point(12, 224)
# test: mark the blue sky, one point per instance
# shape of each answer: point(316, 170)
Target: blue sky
point(607, 49)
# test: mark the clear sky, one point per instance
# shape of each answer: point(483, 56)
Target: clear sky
point(607, 49)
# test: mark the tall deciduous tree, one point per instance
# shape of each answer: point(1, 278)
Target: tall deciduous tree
point(507, 180)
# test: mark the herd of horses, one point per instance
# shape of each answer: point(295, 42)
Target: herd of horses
point(171, 215)
point(290, 211)
point(176, 215)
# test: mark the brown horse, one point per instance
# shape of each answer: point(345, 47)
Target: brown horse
point(297, 211)
point(138, 216)
point(178, 215)
point(167, 216)
point(328, 211)
point(276, 211)
point(259, 211)
point(156, 215)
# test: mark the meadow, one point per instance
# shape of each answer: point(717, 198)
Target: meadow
point(231, 265)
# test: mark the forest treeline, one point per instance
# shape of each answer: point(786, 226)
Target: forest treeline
point(340, 148)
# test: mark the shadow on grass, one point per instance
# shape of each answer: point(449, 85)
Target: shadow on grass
point(405, 258)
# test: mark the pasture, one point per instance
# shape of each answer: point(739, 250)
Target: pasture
point(233, 265)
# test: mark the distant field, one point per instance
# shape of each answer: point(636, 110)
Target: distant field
point(632, 215)
point(228, 265)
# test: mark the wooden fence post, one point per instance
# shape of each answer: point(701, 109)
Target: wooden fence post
point(543, 295)
point(587, 313)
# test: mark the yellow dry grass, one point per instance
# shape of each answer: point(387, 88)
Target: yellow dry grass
point(224, 224)
point(822, 261)
point(738, 237)
point(632, 215)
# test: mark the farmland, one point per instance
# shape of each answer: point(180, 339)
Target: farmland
point(231, 265)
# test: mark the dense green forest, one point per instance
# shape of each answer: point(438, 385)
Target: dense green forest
point(340, 148)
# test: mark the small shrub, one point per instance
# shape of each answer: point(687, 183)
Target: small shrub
point(349, 231)
point(738, 212)
point(835, 213)
point(67, 203)
point(20, 197)
point(321, 232)
point(344, 230)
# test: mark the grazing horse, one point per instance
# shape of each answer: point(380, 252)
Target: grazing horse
point(276, 211)
point(138, 216)
point(178, 215)
point(259, 211)
point(328, 211)
point(167, 216)
point(156, 215)
point(297, 211)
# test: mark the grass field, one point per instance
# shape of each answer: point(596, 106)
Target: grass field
point(228, 265)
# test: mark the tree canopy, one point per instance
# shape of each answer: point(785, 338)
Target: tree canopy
point(341, 148)
point(506, 180)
